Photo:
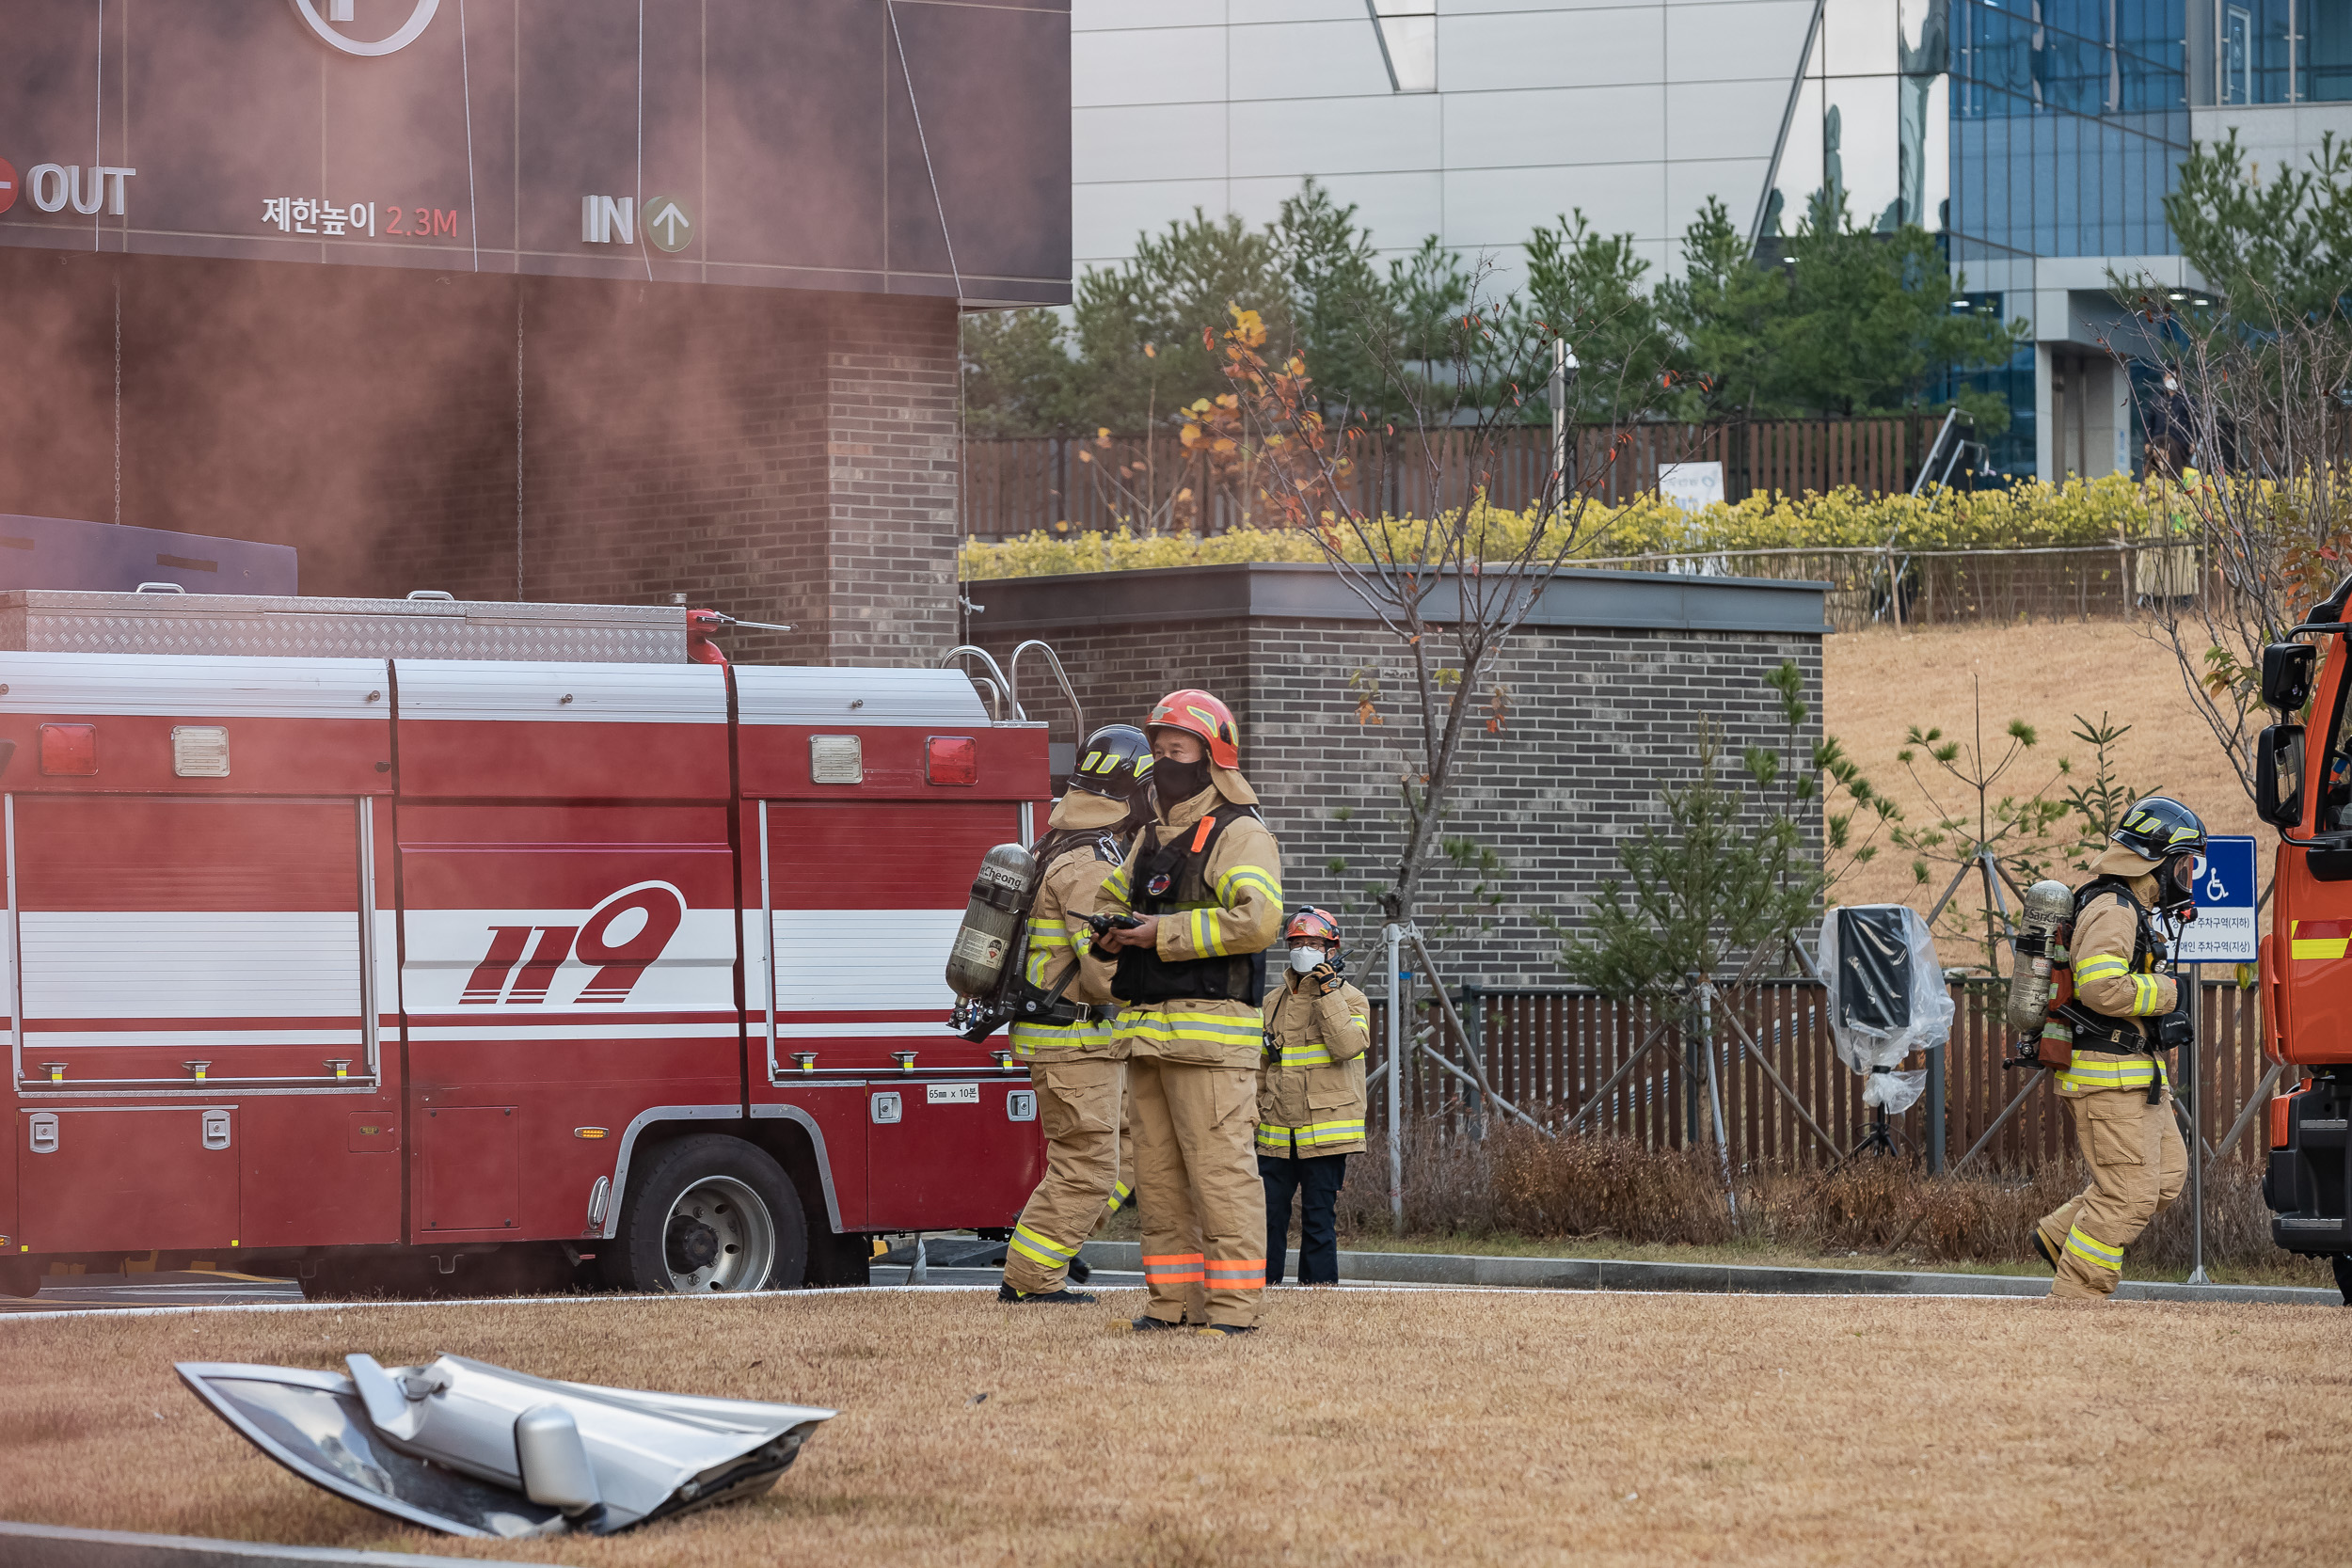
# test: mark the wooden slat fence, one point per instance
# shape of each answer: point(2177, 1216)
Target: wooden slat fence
point(1548, 1050)
point(1151, 483)
point(1796, 455)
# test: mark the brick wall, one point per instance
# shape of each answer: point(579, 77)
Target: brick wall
point(781, 457)
point(1593, 725)
point(1596, 721)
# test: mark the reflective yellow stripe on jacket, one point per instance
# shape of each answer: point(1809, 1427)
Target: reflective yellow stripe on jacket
point(1051, 943)
point(1315, 1053)
point(1164, 1024)
point(2147, 995)
point(1032, 1041)
point(1321, 1135)
point(2087, 1071)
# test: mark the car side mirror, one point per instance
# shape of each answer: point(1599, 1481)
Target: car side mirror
point(2279, 776)
point(2287, 675)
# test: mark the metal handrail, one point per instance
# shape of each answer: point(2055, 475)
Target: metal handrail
point(1928, 463)
point(965, 650)
point(1052, 661)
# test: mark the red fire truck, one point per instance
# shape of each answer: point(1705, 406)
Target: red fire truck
point(2306, 793)
point(499, 972)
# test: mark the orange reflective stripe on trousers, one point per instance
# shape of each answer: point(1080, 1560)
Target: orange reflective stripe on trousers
point(1181, 1268)
point(1239, 1274)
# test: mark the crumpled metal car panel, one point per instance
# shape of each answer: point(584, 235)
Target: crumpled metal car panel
point(469, 1449)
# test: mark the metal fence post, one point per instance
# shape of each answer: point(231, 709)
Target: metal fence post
point(2196, 1076)
point(1473, 1027)
point(1692, 1066)
point(1935, 1109)
point(1396, 938)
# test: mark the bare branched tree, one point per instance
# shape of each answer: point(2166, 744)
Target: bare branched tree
point(1453, 584)
point(2256, 396)
point(2250, 515)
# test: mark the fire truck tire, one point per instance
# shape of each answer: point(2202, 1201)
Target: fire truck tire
point(709, 1213)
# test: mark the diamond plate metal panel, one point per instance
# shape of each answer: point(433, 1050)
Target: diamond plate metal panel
point(45, 621)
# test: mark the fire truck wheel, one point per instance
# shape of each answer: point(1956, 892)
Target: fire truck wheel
point(709, 1213)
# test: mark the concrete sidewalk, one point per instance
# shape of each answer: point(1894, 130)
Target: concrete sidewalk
point(1608, 1274)
point(59, 1546)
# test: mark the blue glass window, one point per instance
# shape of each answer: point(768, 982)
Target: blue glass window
point(2069, 121)
point(2329, 79)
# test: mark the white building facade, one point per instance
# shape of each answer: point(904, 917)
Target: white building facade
point(2037, 137)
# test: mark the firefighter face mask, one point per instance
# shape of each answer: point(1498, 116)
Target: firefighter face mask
point(1177, 781)
point(1305, 958)
point(2176, 886)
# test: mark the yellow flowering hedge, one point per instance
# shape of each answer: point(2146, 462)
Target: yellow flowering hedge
point(2080, 511)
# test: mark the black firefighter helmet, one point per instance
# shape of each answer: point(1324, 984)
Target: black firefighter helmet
point(1113, 761)
point(2158, 827)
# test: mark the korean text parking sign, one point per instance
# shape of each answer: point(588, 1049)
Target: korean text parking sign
point(2225, 929)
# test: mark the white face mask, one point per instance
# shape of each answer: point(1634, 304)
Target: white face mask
point(1304, 959)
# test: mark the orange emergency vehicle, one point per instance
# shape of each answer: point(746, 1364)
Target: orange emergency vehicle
point(2303, 787)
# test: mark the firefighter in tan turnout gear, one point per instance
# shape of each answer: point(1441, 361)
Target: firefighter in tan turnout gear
point(1189, 916)
point(1072, 1054)
point(1311, 1097)
point(2122, 1018)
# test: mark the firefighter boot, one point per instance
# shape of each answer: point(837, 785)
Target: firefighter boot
point(2043, 1249)
point(1064, 1297)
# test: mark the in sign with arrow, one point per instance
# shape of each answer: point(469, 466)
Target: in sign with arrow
point(665, 221)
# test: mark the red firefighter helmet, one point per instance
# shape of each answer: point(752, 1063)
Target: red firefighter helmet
point(1311, 924)
point(1204, 716)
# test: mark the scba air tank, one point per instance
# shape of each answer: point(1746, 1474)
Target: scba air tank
point(1001, 895)
point(2049, 905)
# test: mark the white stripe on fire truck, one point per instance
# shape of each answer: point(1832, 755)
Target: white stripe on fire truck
point(469, 690)
point(195, 686)
point(488, 1031)
point(851, 1031)
point(119, 1038)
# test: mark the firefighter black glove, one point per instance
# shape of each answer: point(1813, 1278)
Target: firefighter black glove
point(1099, 923)
point(1324, 978)
point(2175, 1029)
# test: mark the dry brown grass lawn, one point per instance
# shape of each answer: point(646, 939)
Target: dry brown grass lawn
point(1876, 685)
point(1359, 1428)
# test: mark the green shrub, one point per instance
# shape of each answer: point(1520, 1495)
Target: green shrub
point(2080, 511)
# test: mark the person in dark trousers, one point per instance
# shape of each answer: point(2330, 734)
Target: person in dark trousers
point(1311, 1097)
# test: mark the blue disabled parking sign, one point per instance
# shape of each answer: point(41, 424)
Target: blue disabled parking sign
point(2225, 929)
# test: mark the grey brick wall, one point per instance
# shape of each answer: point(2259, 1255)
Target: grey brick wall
point(1595, 724)
point(1598, 720)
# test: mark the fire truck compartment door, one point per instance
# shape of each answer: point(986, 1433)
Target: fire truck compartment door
point(863, 901)
point(179, 943)
point(948, 1155)
point(473, 1169)
point(129, 1177)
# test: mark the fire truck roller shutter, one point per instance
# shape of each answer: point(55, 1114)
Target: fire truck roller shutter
point(206, 952)
point(705, 1214)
